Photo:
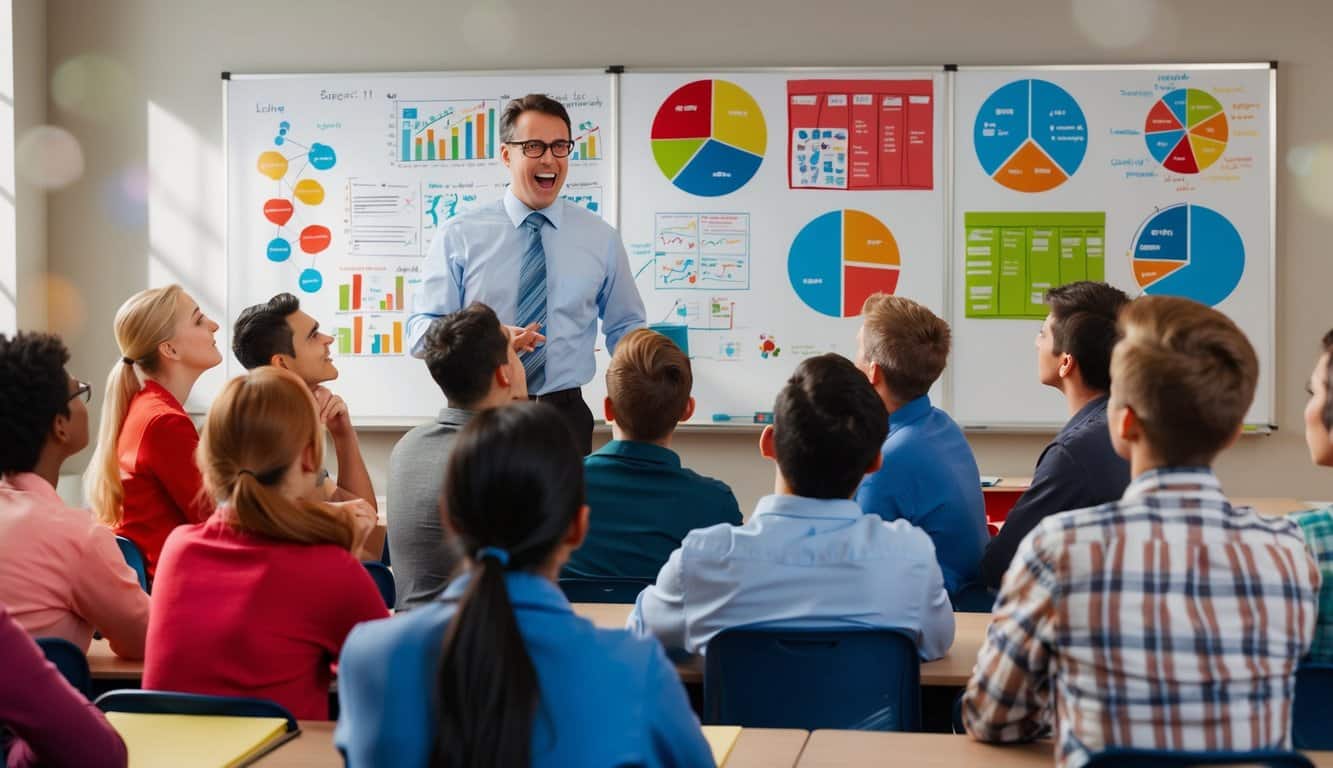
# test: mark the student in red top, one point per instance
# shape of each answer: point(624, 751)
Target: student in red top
point(142, 480)
point(257, 600)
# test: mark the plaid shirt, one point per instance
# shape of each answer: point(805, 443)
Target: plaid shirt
point(1165, 620)
point(1317, 525)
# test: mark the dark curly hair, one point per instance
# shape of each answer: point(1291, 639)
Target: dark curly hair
point(34, 389)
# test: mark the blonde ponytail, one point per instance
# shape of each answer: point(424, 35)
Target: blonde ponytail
point(143, 322)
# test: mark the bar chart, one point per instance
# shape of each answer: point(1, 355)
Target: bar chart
point(370, 335)
point(441, 130)
point(587, 145)
point(370, 292)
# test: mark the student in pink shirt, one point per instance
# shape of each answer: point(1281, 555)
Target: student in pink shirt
point(61, 574)
point(257, 600)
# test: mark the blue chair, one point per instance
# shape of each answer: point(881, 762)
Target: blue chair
point(71, 662)
point(383, 578)
point(134, 558)
point(603, 590)
point(1155, 758)
point(1312, 707)
point(852, 679)
point(176, 703)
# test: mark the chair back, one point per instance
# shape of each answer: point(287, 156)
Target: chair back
point(177, 703)
point(852, 679)
point(1155, 758)
point(603, 590)
point(134, 558)
point(71, 662)
point(973, 598)
point(1312, 707)
point(383, 578)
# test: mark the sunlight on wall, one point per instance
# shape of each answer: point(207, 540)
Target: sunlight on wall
point(8, 216)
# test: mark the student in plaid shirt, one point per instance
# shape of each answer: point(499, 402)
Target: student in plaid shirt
point(1317, 525)
point(1168, 619)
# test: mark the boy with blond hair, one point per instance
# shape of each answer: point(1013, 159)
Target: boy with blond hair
point(1168, 619)
point(642, 500)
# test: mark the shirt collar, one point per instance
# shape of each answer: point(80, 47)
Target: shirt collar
point(525, 589)
point(1195, 481)
point(633, 449)
point(912, 410)
point(453, 417)
point(786, 505)
point(518, 211)
point(31, 482)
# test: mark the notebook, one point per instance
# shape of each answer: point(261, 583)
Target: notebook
point(721, 738)
point(197, 741)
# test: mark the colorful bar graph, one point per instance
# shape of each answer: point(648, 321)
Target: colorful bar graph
point(372, 340)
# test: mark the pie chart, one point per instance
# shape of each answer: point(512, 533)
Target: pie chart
point(839, 259)
point(709, 137)
point(1186, 130)
point(1190, 251)
point(1030, 135)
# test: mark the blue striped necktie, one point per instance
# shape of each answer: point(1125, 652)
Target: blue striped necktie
point(532, 299)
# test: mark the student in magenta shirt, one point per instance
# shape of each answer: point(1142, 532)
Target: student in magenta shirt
point(142, 480)
point(257, 600)
point(61, 574)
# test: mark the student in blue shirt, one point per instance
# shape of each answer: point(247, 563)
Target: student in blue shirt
point(499, 670)
point(929, 476)
point(643, 502)
point(808, 557)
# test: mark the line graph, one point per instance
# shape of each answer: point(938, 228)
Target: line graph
point(701, 251)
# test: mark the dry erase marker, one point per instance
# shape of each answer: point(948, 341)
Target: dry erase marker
point(720, 417)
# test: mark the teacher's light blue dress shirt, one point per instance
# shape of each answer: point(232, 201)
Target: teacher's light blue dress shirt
point(607, 697)
point(476, 257)
point(799, 563)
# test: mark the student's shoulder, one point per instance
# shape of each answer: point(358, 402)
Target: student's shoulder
point(414, 632)
point(1315, 523)
point(707, 486)
point(899, 536)
point(711, 541)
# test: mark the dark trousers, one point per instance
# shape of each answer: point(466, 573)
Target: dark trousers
point(575, 413)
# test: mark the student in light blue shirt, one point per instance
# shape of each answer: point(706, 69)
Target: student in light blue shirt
point(499, 670)
point(808, 557)
point(929, 476)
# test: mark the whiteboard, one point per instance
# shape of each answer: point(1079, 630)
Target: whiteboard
point(761, 206)
point(1065, 173)
point(337, 183)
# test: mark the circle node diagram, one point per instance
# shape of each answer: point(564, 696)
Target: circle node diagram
point(1188, 250)
point(1030, 135)
point(1186, 130)
point(839, 259)
point(708, 137)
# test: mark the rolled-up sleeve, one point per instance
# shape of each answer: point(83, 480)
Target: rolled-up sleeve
point(441, 291)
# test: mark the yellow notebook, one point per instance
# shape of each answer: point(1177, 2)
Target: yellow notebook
point(197, 741)
point(721, 738)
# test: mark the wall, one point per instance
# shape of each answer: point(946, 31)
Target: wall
point(150, 204)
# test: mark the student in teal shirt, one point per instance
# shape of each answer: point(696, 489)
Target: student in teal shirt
point(500, 670)
point(643, 502)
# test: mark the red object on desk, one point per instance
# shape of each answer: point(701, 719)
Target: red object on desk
point(1001, 497)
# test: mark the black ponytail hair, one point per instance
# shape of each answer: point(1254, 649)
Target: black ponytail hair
point(514, 484)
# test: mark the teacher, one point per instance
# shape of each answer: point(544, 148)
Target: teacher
point(549, 268)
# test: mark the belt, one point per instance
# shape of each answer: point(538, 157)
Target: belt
point(561, 397)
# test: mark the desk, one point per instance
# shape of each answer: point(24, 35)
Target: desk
point(106, 665)
point(755, 748)
point(852, 749)
point(1001, 497)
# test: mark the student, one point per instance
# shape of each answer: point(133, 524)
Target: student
point(142, 480)
point(809, 556)
point(278, 333)
point(1317, 525)
point(643, 502)
point(53, 724)
point(61, 573)
point(928, 475)
point(471, 357)
point(1079, 468)
point(500, 671)
point(1168, 619)
point(257, 600)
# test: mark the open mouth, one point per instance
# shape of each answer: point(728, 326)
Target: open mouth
point(545, 180)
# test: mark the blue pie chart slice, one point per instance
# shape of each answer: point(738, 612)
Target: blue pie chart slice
point(1189, 251)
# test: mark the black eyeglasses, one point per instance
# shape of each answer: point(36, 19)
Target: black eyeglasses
point(84, 390)
point(536, 148)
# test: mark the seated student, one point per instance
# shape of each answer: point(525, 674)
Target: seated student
point(1080, 467)
point(53, 724)
point(142, 480)
point(928, 477)
point(643, 502)
point(500, 671)
point(278, 333)
point(1317, 525)
point(809, 556)
point(257, 600)
point(470, 356)
point(1168, 619)
point(61, 574)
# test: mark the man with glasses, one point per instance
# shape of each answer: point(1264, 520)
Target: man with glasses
point(549, 268)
